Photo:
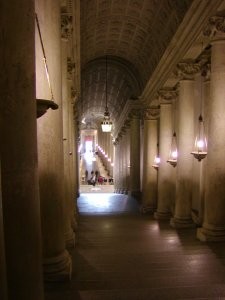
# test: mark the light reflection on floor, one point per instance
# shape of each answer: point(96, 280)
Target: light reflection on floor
point(98, 203)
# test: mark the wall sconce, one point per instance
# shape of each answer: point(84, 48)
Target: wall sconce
point(173, 151)
point(156, 163)
point(200, 147)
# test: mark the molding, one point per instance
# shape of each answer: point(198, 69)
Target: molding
point(187, 33)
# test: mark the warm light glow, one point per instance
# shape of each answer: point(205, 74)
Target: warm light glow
point(200, 144)
point(174, 154)
point(200, 147)
point(157, 160)
point(106, 126)
point(109, 159)
point(112, 164)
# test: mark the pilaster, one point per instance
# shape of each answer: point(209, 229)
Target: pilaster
point(150, 175)
point(213, 228)
point(182, 215)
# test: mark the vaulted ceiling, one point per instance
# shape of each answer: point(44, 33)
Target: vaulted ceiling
point(133, 35)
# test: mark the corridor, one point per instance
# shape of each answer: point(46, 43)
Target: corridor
point(121, 254)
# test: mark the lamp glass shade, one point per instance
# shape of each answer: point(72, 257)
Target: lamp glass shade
point(200, 145)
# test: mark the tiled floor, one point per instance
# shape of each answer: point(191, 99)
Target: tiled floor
point(123, 255)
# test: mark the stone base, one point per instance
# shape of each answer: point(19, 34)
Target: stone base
point(144, 209)
point(159, 215)
point(211, 235)
point(58, 268)
point(182, 223)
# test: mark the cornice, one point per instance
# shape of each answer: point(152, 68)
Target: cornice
point(184, 38)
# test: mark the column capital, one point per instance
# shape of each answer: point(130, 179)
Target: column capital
point(216, 24)
point(167, 95)
point(151, 113)
point(186, 70)
point(66, 26)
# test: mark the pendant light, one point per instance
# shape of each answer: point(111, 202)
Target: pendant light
point(106, 124)
point(156, 159)
point(200, 145)
point(173, 150)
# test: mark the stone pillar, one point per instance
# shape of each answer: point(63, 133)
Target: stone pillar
point(18, 139)
point(182, 216)
point(116, 166)
point(149, 188)
point(66, 107)
point(56, 259)
point(166, 183)
point(3, 279)
point(135, 155)
point(213, 228)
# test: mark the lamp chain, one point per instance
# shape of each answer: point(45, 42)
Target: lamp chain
point(44, 56)
point(106, 106)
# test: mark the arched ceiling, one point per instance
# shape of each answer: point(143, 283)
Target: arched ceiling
point(134, 35)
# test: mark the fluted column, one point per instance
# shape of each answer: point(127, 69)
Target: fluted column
point(135, 154)
point(182, 216)
point(56, 259)
point(149, 187)
point(213, 228)
point(166, 173)
point(18, 152)
point(68, 232)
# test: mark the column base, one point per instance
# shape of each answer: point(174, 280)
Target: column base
point(161, 215)
point(182, 223)
point(213, 234)
point(58, 268)
point(144, 209)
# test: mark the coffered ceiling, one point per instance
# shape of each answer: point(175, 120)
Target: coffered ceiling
point(133, 34)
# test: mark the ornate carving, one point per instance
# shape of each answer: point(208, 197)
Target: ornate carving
point(70, 67)
point(215, 24)
point(187, 70)
point(135, 114)
point(167, 95)
point(151, 113)
point(66, 26)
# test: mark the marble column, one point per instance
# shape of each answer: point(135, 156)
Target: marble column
point(183, 202)
point(68, 231)
point(166, 173)
point(149, 187)
point(213, 228)
point(135, 155)
point(18, 152)
point(56, 259)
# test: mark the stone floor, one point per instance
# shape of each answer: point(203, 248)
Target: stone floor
point(123, 255)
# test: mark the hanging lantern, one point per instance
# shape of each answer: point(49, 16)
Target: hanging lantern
point(106, 124)
point(173, 151)
point(156, 162)
point(200, 148)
